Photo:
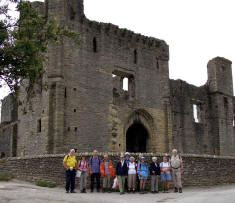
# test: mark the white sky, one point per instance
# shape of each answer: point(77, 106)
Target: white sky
point(196, 30)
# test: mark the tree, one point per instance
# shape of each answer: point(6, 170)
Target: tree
point(23, 43)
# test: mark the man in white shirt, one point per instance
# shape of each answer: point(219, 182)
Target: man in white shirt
point(177, 169)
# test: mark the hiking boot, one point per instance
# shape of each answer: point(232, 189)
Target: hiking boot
point(67, 191)
point(176, 189)
point(72, 191)
point(180, 190)
point(103, 190)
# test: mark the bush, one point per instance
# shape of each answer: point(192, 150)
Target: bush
point(5, 176)
point(45, 184)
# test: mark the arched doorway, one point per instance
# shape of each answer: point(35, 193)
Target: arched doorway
point(136, 138)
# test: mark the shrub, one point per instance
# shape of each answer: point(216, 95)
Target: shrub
point(5, 176)
point(45, 184)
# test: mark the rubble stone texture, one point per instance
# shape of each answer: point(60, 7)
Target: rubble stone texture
point(82, 102)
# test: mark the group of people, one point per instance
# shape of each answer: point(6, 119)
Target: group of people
point(131, 174)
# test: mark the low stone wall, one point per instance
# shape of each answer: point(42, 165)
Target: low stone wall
point(198, 170)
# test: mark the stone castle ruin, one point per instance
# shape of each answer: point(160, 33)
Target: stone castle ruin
point(82, 102)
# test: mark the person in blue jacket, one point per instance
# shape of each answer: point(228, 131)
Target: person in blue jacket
point(142, 172)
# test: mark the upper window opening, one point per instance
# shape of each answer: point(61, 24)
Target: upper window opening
point(135, 56)
point(94, 45)
point(125, 84)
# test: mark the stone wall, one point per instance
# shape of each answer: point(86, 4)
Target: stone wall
point(198, 170)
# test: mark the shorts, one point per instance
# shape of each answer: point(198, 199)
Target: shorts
point(165, 176)
point(142, 178)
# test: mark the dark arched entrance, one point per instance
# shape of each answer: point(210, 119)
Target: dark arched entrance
point(136, 138)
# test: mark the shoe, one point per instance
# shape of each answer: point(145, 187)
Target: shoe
point(67, 191)
point(122, 193)
point(128, 191)
point(180, 190)
point(98, 190)
point(72, 191)
point(91, 191)
point(167, 191)
point(109, 191)
point(82, 191)
point(152, 192)
point(176, 189)
point(103, 190)
point(156, 191)
point(133, 191)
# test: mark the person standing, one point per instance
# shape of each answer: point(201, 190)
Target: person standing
point(121, 172)
point(132, 175)
point(127, 161)
point(138, 161)
point(70, 165)
point(177, 169)
point(83, 167)
point(94, 170)
point(154, 169)
point(106, 172)
point(142, 172)
point(165, 167)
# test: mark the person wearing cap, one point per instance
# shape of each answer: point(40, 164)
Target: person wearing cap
point(121, 172)
point(70, 165)
point(165, 167)
point(142, 172)
point(154, 169)
point(106, 172)
point(132, 175)
point(177, 169)
point(127, 160)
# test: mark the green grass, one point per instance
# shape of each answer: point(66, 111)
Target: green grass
point(45, 184)
point(5, 176)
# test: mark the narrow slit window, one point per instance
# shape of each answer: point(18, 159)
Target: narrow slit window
point(195, 113)
point(125, 84)
point(94, 45)
point(65, 92)
point(135, 56)
point(157, 63)
point(39, 125)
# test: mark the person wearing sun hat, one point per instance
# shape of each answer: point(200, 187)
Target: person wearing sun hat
point(121, 172)
point(142, 172)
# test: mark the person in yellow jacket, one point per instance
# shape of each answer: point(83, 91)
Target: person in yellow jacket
point(70, 165)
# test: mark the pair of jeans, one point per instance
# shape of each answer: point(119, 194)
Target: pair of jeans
point(97, 177)
point(70, 180)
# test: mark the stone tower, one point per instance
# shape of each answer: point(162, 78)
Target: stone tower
point(220, 85)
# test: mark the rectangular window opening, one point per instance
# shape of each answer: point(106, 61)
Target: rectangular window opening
point(125, 84)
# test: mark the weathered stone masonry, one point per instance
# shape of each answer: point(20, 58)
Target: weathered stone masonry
point(82, 102)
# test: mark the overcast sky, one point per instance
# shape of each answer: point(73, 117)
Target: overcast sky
point(196, 30)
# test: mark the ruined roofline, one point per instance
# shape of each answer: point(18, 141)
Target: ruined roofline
point(110, 29)
point(220, 59)
point(189, 84)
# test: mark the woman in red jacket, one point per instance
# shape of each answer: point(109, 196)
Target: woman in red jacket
point(106, 172)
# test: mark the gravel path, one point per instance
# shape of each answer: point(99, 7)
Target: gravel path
point(21, 192)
